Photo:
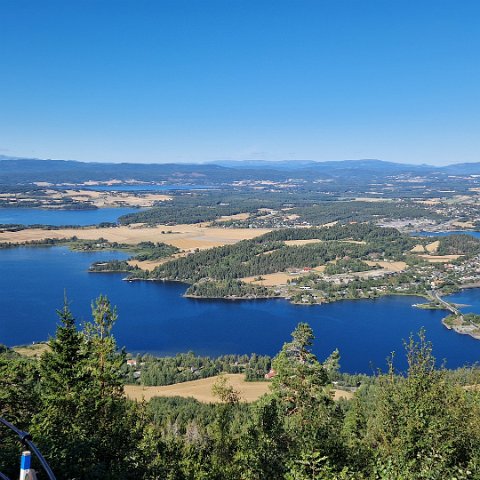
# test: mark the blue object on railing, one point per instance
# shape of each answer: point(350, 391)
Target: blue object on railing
point(26, 440)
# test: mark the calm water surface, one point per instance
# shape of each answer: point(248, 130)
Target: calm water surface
point(35, 216)
point(446, 234)
point(146, 188)
point(154, 317)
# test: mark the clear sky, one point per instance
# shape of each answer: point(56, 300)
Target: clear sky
point(204, 80)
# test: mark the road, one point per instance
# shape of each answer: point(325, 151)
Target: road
point(448, 306)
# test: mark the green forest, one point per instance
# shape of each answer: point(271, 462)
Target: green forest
point(459, 244)
point(315, 208)
point(216, 272)
point(420, 424)
point(185, 367)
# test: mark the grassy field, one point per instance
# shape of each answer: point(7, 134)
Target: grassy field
point(185, 237)
point(296, 243)
point(114, 199)
point(201, 390)
point(440, 258)
point(101, 199)
point(389, 266)
point(34, 350)
point(432, 247)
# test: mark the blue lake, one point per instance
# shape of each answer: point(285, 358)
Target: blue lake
point(146, 188)
point(154, 317)
point(34, 216)
point(446, 234)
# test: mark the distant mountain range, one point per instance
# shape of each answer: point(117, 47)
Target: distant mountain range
point(23, 170)
point(312, 164)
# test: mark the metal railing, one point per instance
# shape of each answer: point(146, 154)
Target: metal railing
point(26, 440)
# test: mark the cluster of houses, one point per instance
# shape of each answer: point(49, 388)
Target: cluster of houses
point(467, 272)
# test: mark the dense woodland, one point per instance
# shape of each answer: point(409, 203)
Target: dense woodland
point(422, 425)
point(458, 245)
point(347, 266)
point(210, 205)
point(362, 211)
point(293, 208)
point(216, 272)
point(321, 213)
point(185, 367)
point(228, 289)
point(112, 266)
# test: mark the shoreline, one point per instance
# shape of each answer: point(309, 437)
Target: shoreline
point(281, 297)
point(458, 329)
point(187, 237)
point(64, 242)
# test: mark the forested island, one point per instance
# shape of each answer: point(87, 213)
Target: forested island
point(356, 260)
point(269, 254)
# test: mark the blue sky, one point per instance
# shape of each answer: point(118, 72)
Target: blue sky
point(204, 80)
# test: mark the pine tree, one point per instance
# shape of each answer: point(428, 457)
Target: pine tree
point(300, 379)
point(85, 424)
point(63, 383)
point(301, 383)
point(109, 418)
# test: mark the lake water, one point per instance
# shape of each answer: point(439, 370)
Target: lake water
point(37, 216)
point(154, 317)
point(446, 234)
point(145, 188)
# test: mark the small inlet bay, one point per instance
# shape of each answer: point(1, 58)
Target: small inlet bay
point(155, 317)
point(37, 216)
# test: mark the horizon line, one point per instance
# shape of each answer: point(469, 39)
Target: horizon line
point(216, 162)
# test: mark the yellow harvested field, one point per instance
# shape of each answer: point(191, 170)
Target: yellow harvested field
point(185, 237)
point(238, 216)
point(473, 388)
point(316, 240)
point(460, 199)
point(151, 264)
point(431, 201)
point(43, 184)
point(301, 242)
point(116, 199)
point(34, 350)
point(370, 199)
point(463, 224)
point(110, 199)
point(440, 258)
point(390, 266)
point(101, 199)
point(280, 278)
point(338, 394)
point(147, 264)
point(357, 242)
point(271, 279)
point(418, 249)
point(93, 183)
point(432, 247)
point(201, 390)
